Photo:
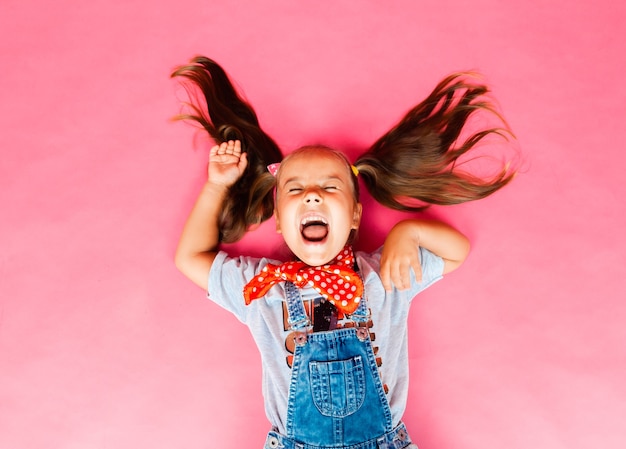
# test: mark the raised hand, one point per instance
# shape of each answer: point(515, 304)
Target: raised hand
point(226, 163)
point(400, 254)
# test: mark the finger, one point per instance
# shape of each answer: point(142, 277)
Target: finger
point(237, 147)
point(385, 277)
point(214, 150)
point(222, 148)
point(417, 269)
point(230, 147)
point(404, 274)
point(243, 162)
point(401, 276)
point(392, 276)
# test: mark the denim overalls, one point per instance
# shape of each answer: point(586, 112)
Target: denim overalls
point(336, 397)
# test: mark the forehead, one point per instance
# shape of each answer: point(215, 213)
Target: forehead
point(313, 163)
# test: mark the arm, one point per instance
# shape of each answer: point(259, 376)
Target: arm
point(400, 252)
point(199, 241)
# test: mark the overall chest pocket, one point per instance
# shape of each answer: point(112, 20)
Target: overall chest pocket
point(338, 386)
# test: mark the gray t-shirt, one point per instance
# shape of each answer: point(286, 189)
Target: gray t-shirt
point(267, 321)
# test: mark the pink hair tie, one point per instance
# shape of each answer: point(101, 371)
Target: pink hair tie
point(273, 168)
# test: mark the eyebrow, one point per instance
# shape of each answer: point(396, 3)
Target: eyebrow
point(298, 178)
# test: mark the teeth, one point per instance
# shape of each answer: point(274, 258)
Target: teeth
point(313, 218)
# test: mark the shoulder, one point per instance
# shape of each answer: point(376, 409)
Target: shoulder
point(246, 266)
point(227, 278)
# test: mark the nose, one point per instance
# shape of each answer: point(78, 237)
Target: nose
point(312, 196)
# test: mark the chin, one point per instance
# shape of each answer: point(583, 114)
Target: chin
point(315, 261)
point(317, 253)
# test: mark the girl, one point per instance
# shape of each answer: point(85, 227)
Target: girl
point(331, 325)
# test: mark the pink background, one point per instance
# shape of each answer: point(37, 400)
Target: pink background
point(103, 344)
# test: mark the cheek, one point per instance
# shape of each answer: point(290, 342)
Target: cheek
point(281, 217)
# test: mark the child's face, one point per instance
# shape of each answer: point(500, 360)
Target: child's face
point(315, 205)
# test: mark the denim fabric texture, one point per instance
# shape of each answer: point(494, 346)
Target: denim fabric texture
point(398, 438)
point(336, 396)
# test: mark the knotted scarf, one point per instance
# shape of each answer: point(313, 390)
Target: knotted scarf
point(336, 281)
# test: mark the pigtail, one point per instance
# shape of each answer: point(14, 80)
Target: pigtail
point(419, 158)
point(226, 116)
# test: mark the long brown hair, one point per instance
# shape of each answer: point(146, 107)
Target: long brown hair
point(226, 116)
point(418, 159)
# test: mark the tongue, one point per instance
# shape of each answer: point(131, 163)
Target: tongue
point(315, 232)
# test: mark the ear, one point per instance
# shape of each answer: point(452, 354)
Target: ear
point(277, 222)
point(356, 217)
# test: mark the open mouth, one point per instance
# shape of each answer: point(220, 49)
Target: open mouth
point(314, 228)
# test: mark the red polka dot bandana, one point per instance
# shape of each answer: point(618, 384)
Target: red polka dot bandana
point(336, 281)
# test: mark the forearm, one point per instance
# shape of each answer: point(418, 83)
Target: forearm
point(199, 241)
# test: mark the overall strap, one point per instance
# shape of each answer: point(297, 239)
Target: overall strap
point(362, 313)
point(298, 319)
